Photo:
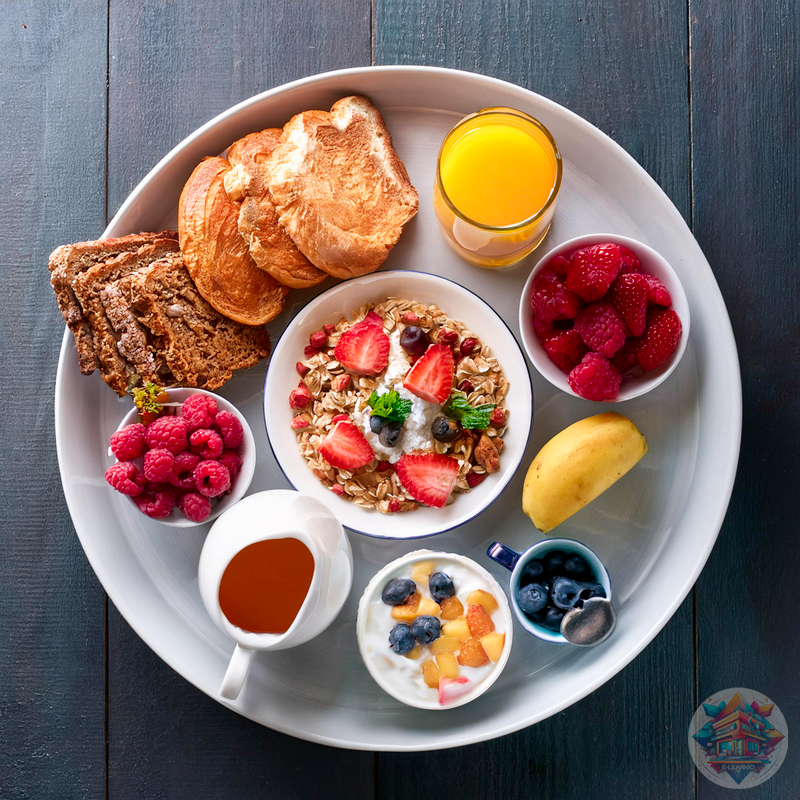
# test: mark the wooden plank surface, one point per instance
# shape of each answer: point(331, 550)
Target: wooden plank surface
point(52, 146)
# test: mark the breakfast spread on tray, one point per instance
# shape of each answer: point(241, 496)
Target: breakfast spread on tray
point(399, 407)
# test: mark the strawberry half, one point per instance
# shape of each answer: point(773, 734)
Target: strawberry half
point(364, 348)
point(428, 477)
point(345, 447)
point(431, 378)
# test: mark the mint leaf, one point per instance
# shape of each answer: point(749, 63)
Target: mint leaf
point(475, 417)
point(390, 406)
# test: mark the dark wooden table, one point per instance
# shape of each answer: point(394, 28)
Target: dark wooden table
point(702, 93)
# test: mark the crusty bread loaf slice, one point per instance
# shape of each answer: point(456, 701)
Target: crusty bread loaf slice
point(115, 368)
point(199, 346)
point(342, 192)
point(70, 260)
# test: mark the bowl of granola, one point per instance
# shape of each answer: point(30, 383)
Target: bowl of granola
point(399, 392)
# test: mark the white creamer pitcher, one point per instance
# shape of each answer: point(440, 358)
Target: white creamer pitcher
point(277, 514)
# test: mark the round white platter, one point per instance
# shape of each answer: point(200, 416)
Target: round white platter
point(654, 529)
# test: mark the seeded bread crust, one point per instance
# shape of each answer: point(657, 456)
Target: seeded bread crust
point(70, 260)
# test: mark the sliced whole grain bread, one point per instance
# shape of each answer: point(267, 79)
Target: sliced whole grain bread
point(116, 369)
point(69, 261)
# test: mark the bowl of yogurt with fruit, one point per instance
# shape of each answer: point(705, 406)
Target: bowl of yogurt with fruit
point(434, 629)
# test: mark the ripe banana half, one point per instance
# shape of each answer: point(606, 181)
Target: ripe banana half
point(579, 464)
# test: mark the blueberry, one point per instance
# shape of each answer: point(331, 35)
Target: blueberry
point(532, 571)
point(376, 423)
point(554, 561)
point(576, 567)
point(590, 590)
point(391, 434)
point(426, 629)
point(551, 619)
point(565, 593)
point(397, 591)
point(441, 586)
point(401, 639)
point(445, 429)
point(532, 598)
point(414, 340)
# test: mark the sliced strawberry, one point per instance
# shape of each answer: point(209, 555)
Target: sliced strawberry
point(431, 378)
point(345, 447)
point(451, 689)
point(364, 348)
point(428, 477)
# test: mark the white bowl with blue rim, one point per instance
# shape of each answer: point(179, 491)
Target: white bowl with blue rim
point(516, 562)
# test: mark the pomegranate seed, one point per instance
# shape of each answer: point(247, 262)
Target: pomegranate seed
point(473, 479)
point(298, 423)
point(329, 328)
point(410, 318)
point(497, 417)
point(468, 345)
point(300, 397)
point(466, 387)
point(448, 337)
point(309, 351)
point(394, 505)
point(339, 418)
point(302, 369)
point(318, 339)
point(385, 466)
point(340, 383)
point(337, 488)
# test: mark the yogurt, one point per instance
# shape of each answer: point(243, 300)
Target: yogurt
point(401, 676)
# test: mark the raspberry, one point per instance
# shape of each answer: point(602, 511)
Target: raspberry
point(594, 378)
point(125, 478)
point(565, 349)
point(473, 479)
point(340, 382)
point(169, 433)
point(601, 328)
point(498, 417)
point(629, 296)
point(158, 465)
point(302, 369)
point(206, 443)
point(298, 423)
point(560, 266)
point(230, 429)
point(300, 397)
point(199, 411)
point(156, 504)
point(541, 326)
point(551, 299)
point(468, 345)
point(212, 478)
point(231, 460)
point(658, 294)
point(194, 506)
point(630, 261)
point(183, 469)
point(593, 269)
point(625, 358)
point(318, 339)
point(128, 442)
point(661, 337)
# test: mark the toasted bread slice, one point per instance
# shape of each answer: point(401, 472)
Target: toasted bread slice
point(216, 255)
point(270, 246)
point(69, 261)
point(115, 368)
point(342, 192)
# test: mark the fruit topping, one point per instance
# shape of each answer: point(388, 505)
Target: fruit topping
point(401, 639)
point(487, 454)
point(445, 429)
point(426, 629)
point(475, 478)
point(428, 607)
point(447, 663)
point(452, 689)
point(302, 369)
point(169, 433)
point(660, 339)
point(532, 597)
point(452, 608)
point(340, 382)
point(565, 593)
point(408, 611)
point(493, 644)
point(429, 478)
point(431, 377)
point(552, 299)
point(397, 591)
point(441, 586)
point(421, 571)
point(199, 411)
point(414, 340)
point(230, 428)
point(299, 423)
point(629, 296)
point(212, 478)
point(318, 339)
point(532, 571)
point(364, 348)
point(593, 270)
point(391, 434)
point(431, 673)
point(576, 567)
point(468, 345)
point(484, 599)
point(457, 629)
point(445, 643)
point(472, 654)
point(658, 294)
point(595, 378)
point(128, 442)
point(601, 328)
point(376, 423)
point(416, 652)
point(479, 622)
point(345, 447)
point(447, 337)
point(498, 417)
point(300, 397)
point(125, 478)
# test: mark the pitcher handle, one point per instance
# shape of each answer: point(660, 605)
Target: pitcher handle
point(503, 555)
point(236, 673)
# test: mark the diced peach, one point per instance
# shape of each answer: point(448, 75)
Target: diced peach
point(407, 612)
point(493, 644)
point(480, 623)
point(472, 654)
point(431, 673)
point(458, 629)
point(421, 571)
point(445, 643)
point(452, 608)
point(415, 653)
point(481, 598)
point(428, 607)
point(447, 664)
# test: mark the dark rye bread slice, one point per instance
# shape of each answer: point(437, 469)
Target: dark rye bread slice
point(200, 347)
point(69, 261)
point(115, 368)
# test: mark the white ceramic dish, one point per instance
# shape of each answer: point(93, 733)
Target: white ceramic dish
point(401, 567)
point(241, 481)
point(653, 263)
point(654, 530)
point(343, 301)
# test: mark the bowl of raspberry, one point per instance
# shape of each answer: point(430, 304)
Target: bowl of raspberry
point(604, 317)
point(184, 459)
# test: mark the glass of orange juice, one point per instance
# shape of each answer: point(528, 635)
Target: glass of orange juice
point(497, 181)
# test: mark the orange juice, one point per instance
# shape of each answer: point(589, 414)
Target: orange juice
point(498, 176)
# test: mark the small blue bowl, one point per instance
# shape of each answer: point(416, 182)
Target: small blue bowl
point(515, 562)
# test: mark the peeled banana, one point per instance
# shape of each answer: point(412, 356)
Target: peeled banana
point(579, 464)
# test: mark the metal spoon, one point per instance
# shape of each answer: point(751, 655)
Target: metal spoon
point(589, 625)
